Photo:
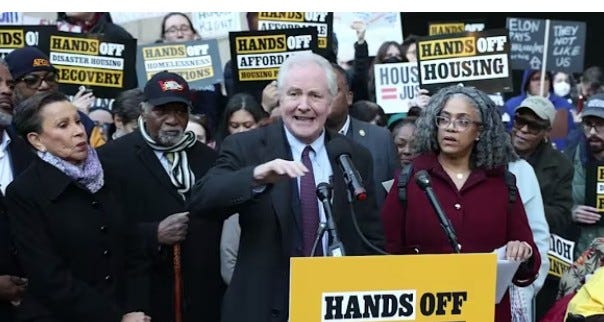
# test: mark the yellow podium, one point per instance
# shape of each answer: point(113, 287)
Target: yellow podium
point(436, 288)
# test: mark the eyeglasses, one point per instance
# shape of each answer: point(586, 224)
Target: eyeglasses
point(589, 124)
point(183, 29)
point(532, 127)
point(462, 124)
point(33, 81)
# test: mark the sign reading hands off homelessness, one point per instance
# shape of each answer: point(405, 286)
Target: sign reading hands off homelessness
point(105, 65)
point(472, 59)
point(257, 55)
point(393, 288)
point(198, 62)
point(322, 21)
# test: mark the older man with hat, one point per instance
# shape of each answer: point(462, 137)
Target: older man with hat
point(33, 73)
point(158, 165)
point(587, 154)
point(532, 124)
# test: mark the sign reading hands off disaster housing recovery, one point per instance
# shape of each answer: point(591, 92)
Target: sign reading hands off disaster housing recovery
point(396, 86)
point(322, 21)
point(563, 43)
point(256, 56)
point(472, 59)
point(103, 64)
point(198, 62)
point(13, 37)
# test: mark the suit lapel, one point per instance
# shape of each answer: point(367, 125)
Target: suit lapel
point(354, 130)
point(282, 194)
point(147, 157)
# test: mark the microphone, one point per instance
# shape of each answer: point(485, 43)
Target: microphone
point(422, 178)
point(336, 248)
point(341, 149)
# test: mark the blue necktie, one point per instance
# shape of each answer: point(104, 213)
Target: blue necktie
point(310, 207)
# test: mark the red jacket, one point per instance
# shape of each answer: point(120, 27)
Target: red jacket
point(478, 212)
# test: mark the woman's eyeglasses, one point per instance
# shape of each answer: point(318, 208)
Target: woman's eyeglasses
point(183, 29)
point(461, 124)
point(33, 81)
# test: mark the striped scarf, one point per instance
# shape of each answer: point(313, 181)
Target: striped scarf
point(180, 173)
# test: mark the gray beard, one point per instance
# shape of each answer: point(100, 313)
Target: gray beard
point(167, 139)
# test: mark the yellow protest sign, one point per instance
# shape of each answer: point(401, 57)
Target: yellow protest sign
point(449, 287)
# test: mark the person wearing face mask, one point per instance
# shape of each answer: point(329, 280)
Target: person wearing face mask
point(562, 84)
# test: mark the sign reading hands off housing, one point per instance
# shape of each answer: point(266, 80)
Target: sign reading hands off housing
point(478, 59)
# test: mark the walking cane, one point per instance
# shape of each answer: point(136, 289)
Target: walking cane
point(177, 284)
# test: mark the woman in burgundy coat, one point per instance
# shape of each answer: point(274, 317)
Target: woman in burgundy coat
point(464, 148)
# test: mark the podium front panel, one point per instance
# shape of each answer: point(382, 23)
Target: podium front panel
point(448, 287)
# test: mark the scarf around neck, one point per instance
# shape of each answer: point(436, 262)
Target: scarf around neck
point(89, 173)
point(181, 175)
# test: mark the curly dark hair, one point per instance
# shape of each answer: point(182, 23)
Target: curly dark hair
point(494, 147)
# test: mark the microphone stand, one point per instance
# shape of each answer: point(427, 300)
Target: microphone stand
point(423, 180)
point(335, 248)
point(445, 223)
point(320, 233)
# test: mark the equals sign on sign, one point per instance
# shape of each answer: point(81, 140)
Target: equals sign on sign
point(389, 93)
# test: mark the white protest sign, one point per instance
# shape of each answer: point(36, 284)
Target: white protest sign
point(396, 86)
point(216, 24)
point(381, 27)
point(560, 255)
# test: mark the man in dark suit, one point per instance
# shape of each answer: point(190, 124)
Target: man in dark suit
point(157, 165)
point(377, 140)
point(15, 156)
point(264, 175)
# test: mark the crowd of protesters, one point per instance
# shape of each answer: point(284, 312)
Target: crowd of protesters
point(186, 204)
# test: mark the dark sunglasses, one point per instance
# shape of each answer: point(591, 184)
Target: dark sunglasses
point(534, 127)
point(34, 81)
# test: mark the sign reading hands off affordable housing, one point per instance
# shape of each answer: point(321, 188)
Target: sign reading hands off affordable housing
point(256, 56)
point(449, 287)
point(472, 59)
point(198, 62)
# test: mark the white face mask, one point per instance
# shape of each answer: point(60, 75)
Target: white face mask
point(561, 88)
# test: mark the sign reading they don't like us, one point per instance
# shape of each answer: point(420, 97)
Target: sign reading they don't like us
point(560, 45)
